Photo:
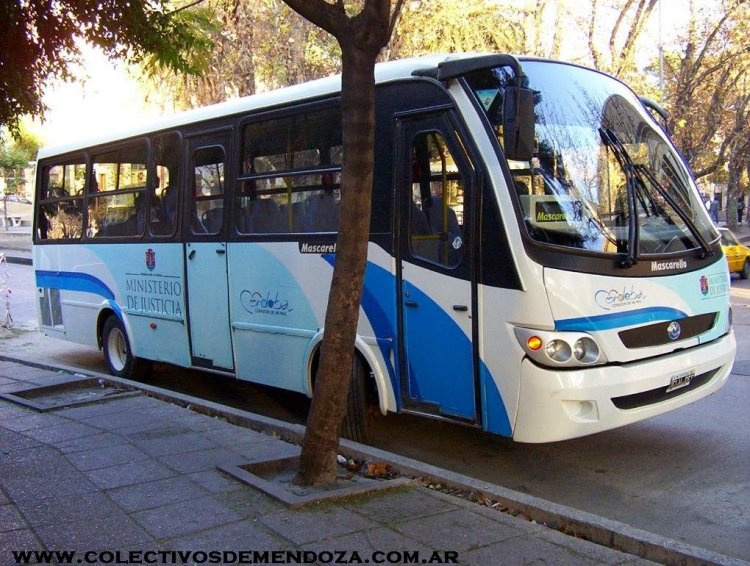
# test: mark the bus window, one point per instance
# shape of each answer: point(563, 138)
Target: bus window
point(117, 193)
point(60, 214)
point(291, 179)
point(208, 190)
point(164, 194)
point(436, 212)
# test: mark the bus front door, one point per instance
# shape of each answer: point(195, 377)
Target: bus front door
point(438, 370)
point(206, 257)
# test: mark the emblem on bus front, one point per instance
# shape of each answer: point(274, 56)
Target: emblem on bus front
point(674, 330)
point(150, 259)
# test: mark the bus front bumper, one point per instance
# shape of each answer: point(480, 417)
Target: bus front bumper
point(558, 405)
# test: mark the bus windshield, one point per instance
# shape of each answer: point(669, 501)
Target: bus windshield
point(604, 177)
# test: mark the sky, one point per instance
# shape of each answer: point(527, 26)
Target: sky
point(109, 97)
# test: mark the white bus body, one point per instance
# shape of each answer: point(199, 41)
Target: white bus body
point(518, 296)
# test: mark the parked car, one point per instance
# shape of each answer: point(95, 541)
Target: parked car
point(738, 255)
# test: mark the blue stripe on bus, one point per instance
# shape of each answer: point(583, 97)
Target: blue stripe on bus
point(70, 281)
point(379, 285)
point(618, 320)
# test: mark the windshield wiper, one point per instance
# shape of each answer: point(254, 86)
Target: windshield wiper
point(634, 175)
point(677, 208)
point(627, 166)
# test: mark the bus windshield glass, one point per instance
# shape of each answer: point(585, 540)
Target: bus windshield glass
point(604, 177)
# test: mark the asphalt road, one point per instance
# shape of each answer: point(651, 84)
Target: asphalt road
point(684, 475)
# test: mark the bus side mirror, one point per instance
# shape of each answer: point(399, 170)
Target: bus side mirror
point(518, 124)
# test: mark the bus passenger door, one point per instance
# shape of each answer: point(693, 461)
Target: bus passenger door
point(437, 293)
point(206, 257)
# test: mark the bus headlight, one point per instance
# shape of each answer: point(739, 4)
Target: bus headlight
point(585, 350)
point(560, 349)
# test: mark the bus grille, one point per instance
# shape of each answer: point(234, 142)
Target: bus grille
point(660, 393)
point(657, 334)
point(49, 305)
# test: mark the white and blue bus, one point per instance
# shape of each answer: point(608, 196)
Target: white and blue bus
point(540, 264)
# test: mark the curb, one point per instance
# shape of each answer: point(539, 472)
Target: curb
point(567, 520)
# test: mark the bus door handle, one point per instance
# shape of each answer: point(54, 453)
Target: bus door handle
point(191, 255)
point(411, 303)
point(460, 308)
point(221, 251)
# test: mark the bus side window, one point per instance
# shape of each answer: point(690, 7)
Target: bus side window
point(437, 200)
point(60, 216)
point(164, 192)
point(293, 161)
point(208, 190)
point(117, 192)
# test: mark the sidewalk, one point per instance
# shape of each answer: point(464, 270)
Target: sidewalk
point(138, 475)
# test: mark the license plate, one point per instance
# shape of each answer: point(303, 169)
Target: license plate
point(680, 381)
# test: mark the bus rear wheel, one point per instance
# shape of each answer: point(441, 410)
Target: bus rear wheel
point(356, 425)
point(119, 356)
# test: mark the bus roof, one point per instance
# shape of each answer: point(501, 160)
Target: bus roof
point(384, 72)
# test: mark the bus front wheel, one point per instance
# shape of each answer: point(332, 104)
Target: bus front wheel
point(356, 425)
point(119, 356)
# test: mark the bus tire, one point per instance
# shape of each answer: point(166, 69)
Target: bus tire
point(745, 273)
point(356, 425)
point(119, 356)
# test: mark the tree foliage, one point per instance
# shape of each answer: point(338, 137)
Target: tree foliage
point(15, 156)
point(41, 38)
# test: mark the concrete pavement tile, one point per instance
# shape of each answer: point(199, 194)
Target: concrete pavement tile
point(399, 505)
point(232, 436)
point(190, 462)
point(215, 482)
point(103, 407)
point(158, 433)
point(114, 531)
point(315, 523)
point(584, 550)
point(105, 457)
point(10, 519)
point(14, 442)
point(176, 519)
point(38, 453)
point(458, 530)
point(174, 444)
point(125, 422)
point(531, 549)
point(32, 374)
point(257, 452)
point(31, 421)
point(60, 432)
point(366, 542)
point(234, 537)
point(28, 480)
point(249, 503)
point(9, 410)
point(6, 380)
point(144, 496)
point(56, 509)
point(142, 471)
point(99, 440)
point(22, 539)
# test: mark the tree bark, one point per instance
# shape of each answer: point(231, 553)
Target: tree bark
point(361, 38)
point(318, 460)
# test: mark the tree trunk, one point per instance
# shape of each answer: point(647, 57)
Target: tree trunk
point(318, 460)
